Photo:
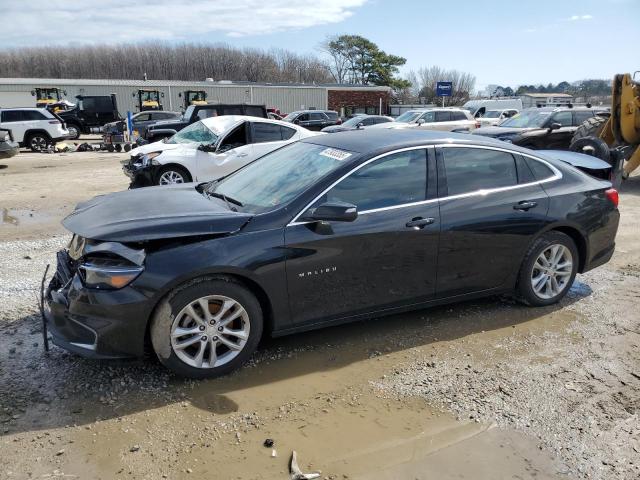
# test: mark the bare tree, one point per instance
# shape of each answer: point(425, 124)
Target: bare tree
point(424, 83)
point(164, 62)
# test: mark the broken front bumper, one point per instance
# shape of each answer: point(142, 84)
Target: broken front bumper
point(93, 323)
point(140, 176)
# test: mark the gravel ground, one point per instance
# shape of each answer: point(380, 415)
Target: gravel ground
point(577, 390)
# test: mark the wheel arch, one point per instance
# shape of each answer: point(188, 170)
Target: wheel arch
point(578, 237)
point(171, 164)
point(33, 131)
point(238, 276)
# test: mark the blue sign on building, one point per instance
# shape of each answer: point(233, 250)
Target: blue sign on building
point(443, 89)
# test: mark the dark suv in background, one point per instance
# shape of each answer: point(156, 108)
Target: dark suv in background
point(314, 119)
point(542, 128)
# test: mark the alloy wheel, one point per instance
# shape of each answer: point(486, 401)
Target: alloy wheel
point(210, 331)
point(73, 131)
point(39, 143)
point(171, 177)
point(551, 271)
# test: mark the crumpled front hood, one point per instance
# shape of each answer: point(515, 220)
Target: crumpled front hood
point(153, 213)
point(500, 131)
point(161, 147)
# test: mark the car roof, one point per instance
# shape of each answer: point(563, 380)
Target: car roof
point(376, 141)
point(222, 122)
point(24, 108)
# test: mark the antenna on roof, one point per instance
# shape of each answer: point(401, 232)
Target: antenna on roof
point(144, 77)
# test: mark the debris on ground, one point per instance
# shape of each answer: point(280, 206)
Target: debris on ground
point(296, 473)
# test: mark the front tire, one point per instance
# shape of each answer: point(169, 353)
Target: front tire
point(548, 270)
point(171, 175)
point(207, 329)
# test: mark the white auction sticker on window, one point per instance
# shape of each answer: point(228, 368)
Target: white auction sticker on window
point(336, 154)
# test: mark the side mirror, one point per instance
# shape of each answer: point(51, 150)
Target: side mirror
point(332, 212)
point(421, 121)
point(555, 126)
point(207, 147)
point(360, 125)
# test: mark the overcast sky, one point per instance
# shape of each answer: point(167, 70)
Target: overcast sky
point(501, 42)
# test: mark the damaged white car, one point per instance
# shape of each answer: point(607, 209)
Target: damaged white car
point(209, 149)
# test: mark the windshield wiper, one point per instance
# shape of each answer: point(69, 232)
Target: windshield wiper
point(227, 200)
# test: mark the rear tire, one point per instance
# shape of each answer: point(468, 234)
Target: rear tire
point(213, 347)
point(38, 142)
point(548, 270)
point(74, 131)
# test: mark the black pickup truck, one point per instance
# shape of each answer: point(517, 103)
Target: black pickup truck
point(90, 113)
point(164, 129)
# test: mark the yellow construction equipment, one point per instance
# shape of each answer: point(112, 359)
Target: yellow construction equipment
point(615, 139)
point(148, 99)
point(193, 97)
point(49, 97)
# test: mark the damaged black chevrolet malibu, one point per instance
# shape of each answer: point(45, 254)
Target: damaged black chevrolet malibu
point(323, 231)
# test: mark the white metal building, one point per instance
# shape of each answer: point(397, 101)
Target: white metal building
point(16, 92)
point(545, 99)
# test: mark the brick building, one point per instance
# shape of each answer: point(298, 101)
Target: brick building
point(350, 99)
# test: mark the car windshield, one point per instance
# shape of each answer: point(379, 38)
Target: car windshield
point(278, 177)
point(408, 117)
point(530, 119)
point(290, 117)
point(492, 114)
point(353, 122)
point(194, 133)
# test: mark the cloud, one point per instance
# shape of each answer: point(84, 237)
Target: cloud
point(574, 18)
point(79, 21)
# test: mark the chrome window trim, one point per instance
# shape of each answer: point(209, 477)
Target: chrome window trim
point(557, 174)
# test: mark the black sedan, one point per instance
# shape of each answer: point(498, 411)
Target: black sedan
point(541, 128)
point(323, 231)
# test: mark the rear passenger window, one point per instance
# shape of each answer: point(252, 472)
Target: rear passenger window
point(393, 180)
point(472, 169)
point(539, 169)
point(29, 115)
point(443, 116)
point(317, 116)
point(265, 132)
point(563, 118)
point(458, 116)
point(581, 116)
point(254, 112)
point(287, 133)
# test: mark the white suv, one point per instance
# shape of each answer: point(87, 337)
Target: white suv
point(491, 118)
point(446, 119)
point(35, 128)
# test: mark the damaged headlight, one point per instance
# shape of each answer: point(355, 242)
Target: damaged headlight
point(108, 277)
point(148, 159)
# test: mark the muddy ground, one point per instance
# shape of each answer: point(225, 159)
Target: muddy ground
point(481, 390)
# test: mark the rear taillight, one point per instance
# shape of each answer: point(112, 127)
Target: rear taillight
point(339, 122)
point(478, 125)
point(612, 194)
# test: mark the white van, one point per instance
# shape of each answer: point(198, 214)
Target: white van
point(479, 107)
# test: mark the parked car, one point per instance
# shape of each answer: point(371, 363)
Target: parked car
point(541, 128)
point(325, 230)
point(8, 148)
point(360, 121)
point(479, 107)
point(209, 149)
point(313, 119)
point(166, 128)
point(34, 128)
point(494, 117)
point(89, 114)
point(446, 119)
point(142, 120)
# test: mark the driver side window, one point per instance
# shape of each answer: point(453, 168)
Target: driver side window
point(428, 117)
point(393, 180)
point(563, 118)
point(236, 138)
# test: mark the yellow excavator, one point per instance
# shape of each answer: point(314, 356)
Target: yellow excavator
point(615, 139)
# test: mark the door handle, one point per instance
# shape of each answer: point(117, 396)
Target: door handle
point(420, 222)
point(525, 205)
point(243, 154)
